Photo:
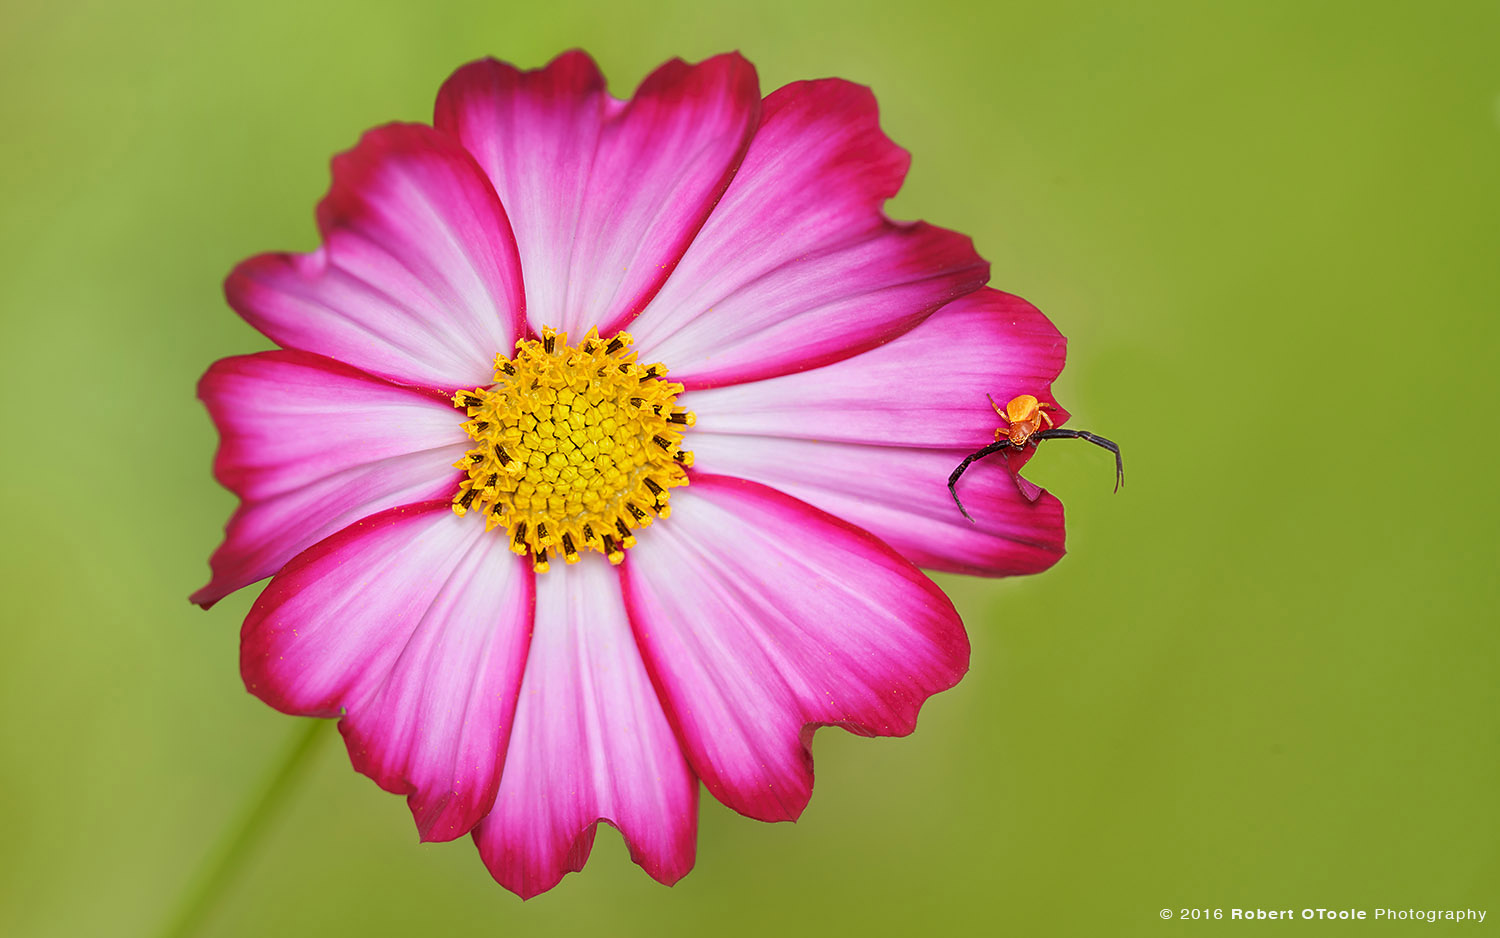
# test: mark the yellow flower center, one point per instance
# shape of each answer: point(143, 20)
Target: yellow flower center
point(575, 448)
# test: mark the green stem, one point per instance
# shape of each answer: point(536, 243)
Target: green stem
point(239, 840)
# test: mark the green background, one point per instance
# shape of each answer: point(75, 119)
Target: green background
point(1264, 676)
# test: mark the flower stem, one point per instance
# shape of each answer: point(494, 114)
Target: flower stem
point(240, 839)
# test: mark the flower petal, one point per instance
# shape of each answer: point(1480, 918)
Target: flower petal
point(761, 618)
point(311, 446)
point(604, 195)
point(797, 266)
point(417, 279)
point(873, 438)
point(929, 387)
point(900, 495)
point(590, 743)
point(413, 623)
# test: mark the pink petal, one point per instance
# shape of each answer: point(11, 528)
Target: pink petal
point(797, 266)
point(417, 280)
point(926, 390)
point(927, 387)
point(311, 446)
point(590, 743)
point(762, 618)
point(900, 494)
point(413, 624)
point(604, 195)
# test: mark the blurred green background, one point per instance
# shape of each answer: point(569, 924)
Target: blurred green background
point(1265, 675)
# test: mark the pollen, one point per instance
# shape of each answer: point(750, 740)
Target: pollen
point(575, 447)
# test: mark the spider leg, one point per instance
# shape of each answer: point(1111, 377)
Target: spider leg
point(994, 447)
point(1110, 445)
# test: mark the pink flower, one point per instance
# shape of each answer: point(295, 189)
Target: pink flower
point(423, 422)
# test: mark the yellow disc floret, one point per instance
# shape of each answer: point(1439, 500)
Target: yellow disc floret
point(575, 448)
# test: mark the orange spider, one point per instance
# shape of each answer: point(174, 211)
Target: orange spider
point(1025, 417)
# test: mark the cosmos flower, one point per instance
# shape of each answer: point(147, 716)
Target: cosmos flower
point(601, 449)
